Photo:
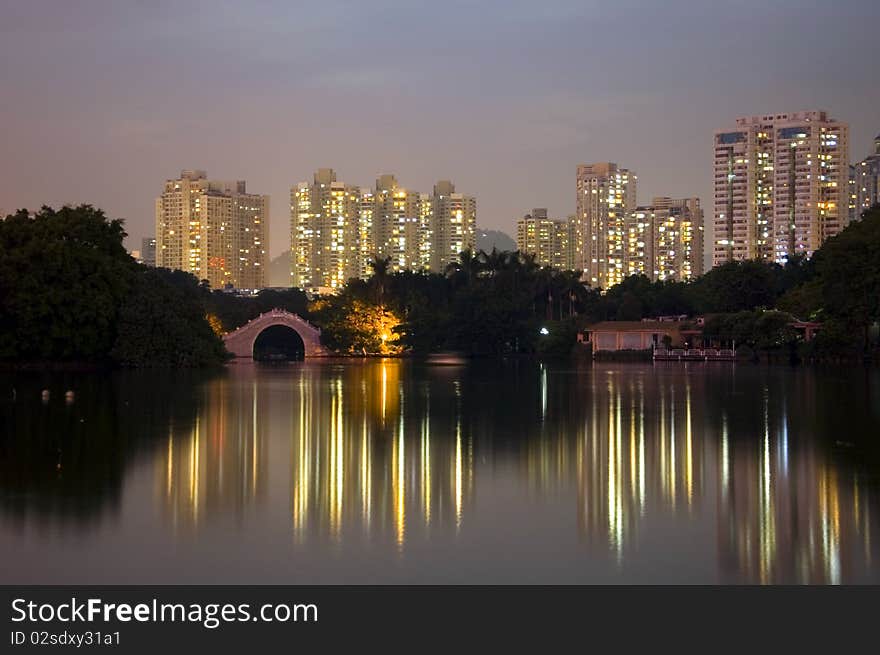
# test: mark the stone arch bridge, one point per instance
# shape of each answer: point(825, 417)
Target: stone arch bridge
point(240, 342)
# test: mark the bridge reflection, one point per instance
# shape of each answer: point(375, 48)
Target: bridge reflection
point(382, 453)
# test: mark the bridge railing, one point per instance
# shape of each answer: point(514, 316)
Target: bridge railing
point(277, 312)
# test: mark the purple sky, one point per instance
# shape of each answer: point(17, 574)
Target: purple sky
point(101, 101)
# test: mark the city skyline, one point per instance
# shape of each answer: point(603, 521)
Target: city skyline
point(517, 123)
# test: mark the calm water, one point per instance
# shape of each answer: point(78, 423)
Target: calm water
point(390, 471)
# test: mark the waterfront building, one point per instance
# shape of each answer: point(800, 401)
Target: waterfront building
point(611, 336)
point(548, 240)
point(781, 184)
point(212, 229)
point(865, 182)
point(606, 194)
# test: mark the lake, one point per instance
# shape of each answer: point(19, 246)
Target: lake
point(391, 471)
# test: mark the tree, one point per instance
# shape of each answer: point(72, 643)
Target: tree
point(352, 326)
point(737, 286)
point(63, 276)
point(69, 292)
point(630, 308)
point(466, 268)
point(848, 266)
point(759, 330)
point(378, 282)
point(162, 323)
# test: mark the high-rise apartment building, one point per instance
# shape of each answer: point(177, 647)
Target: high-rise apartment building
point(606, 194)
point(865, 182)
point(337, 229)
point(401, 227)
point(325, 232)
point(212, 229)
point(780, 185)
point(545, 238)
point(453, 225)
point(366, 247)
point(678, 238)
point(665, 239)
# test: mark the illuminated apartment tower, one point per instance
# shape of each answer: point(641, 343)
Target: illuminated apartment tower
point(780, 186)
point(324, 232)
point(212, 229)
point(400, 228)
point(545, 238)
point(865, 182)
point(665, 239)
point(453, 225)
point(366, 249)
point(605, 196)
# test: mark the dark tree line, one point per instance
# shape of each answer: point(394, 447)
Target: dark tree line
point(69, 292)
point(483, 304)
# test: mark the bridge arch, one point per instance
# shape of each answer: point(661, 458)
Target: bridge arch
point(279, 342)
point(241, 342)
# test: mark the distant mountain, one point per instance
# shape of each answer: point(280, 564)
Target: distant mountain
point(279, 271)
point(488, 239)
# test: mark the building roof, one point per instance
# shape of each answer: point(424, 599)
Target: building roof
point(636, 326)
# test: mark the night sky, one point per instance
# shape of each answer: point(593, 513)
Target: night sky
point(100, 102)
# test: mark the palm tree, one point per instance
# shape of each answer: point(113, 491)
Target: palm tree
point(572, 288)
point(496, 261)
point(467, 267)
point(380, 278)
point(541, 287)
point(526, 261)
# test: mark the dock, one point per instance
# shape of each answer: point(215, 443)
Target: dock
point(694, 355)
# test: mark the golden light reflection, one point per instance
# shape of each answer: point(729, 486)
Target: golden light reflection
point(373, 463)
point(629, 462)
point(216, 465)
point(377, 456)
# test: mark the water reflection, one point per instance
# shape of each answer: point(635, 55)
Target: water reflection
point(63, 464)
point(362, 457)
point(748, 462)
point(632, 459)
point(217, 464)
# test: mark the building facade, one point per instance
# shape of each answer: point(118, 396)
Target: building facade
point(401, 226)
point(781, 185)
point(865, 182)
point(548, 240)
point(676, 239)
point(453, 225)
point(324, 223)
point(212, 229)
point(337, 229)
point(664, 240)
point(606, 194)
